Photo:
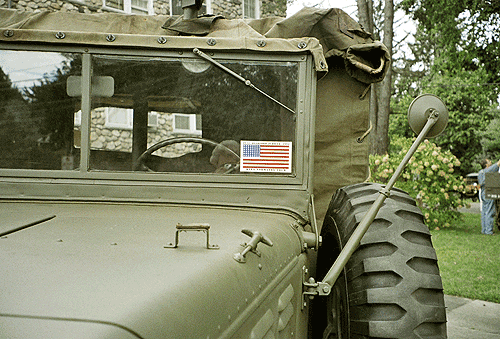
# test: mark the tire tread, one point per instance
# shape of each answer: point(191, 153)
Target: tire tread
point(393, 280)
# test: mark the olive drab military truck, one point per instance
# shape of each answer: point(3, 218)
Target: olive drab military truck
point(172, 177)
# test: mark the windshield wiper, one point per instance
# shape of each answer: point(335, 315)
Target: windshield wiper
point(34, 223)
point(247, 82)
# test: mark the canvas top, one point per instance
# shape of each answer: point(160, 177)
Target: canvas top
point(322, 32)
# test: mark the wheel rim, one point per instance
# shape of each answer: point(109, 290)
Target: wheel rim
point(337, 311)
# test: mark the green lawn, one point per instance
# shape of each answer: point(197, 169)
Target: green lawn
point(469, 261)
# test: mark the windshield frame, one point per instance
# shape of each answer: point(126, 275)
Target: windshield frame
point(304, 122)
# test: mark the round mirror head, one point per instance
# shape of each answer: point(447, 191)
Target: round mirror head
point(419, 111)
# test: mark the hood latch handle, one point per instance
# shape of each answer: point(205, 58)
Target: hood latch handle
point(251, 246)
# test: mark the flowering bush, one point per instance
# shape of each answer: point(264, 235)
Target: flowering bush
point(429, 177)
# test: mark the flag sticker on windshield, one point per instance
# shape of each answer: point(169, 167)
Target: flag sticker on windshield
point(266, 156)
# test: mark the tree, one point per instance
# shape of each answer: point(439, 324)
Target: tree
point(455, 47)
point(380, 93)
point(462, 31)
point(51, 107)
point(14, 130)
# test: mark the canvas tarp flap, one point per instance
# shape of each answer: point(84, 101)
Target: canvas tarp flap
point(365, 59)
point(341, 117)
point(338, 34)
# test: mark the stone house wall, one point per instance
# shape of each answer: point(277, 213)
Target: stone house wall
point(120, 139)
point(228, 8)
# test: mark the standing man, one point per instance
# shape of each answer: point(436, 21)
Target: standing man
point(488, 206)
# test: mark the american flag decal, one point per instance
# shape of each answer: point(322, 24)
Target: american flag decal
point(266, 156)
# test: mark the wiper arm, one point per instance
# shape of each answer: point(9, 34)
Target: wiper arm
point(34, 223)
point(239, 77)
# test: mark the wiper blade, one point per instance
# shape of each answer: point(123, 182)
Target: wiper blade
point(34, 223)
point(239, 77)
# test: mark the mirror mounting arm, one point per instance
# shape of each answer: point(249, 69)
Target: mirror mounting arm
point(324, 287)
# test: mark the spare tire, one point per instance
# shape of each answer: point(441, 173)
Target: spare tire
point(391, 287)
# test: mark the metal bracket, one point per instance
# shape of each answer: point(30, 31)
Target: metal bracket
point(192, 227)
point(312, 288)
point(314, 224)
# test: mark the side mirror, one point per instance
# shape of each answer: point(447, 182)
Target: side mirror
point(420, 110)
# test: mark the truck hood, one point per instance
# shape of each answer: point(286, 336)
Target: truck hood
point(102, 270)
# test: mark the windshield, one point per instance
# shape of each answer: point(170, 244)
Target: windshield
point(148, 115)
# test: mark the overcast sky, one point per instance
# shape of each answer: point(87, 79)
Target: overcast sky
point(349, 6)
point(24, 68)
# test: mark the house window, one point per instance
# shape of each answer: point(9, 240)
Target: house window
point(189, 124)
point(153, 119)
point(176, 7)
point(120, 118)
point(78, 118)
point(123, 118)
point(140, 6)
point(251, 9)
point(116, 4)
point(130, 6)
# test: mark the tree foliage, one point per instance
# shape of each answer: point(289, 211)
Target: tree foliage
point(455, 56)
point(459, 33)
point(490, 140)
point(470, 113)
point(50, 106)
point(14, 127)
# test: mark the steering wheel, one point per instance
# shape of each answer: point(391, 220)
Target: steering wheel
point(139, 164)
